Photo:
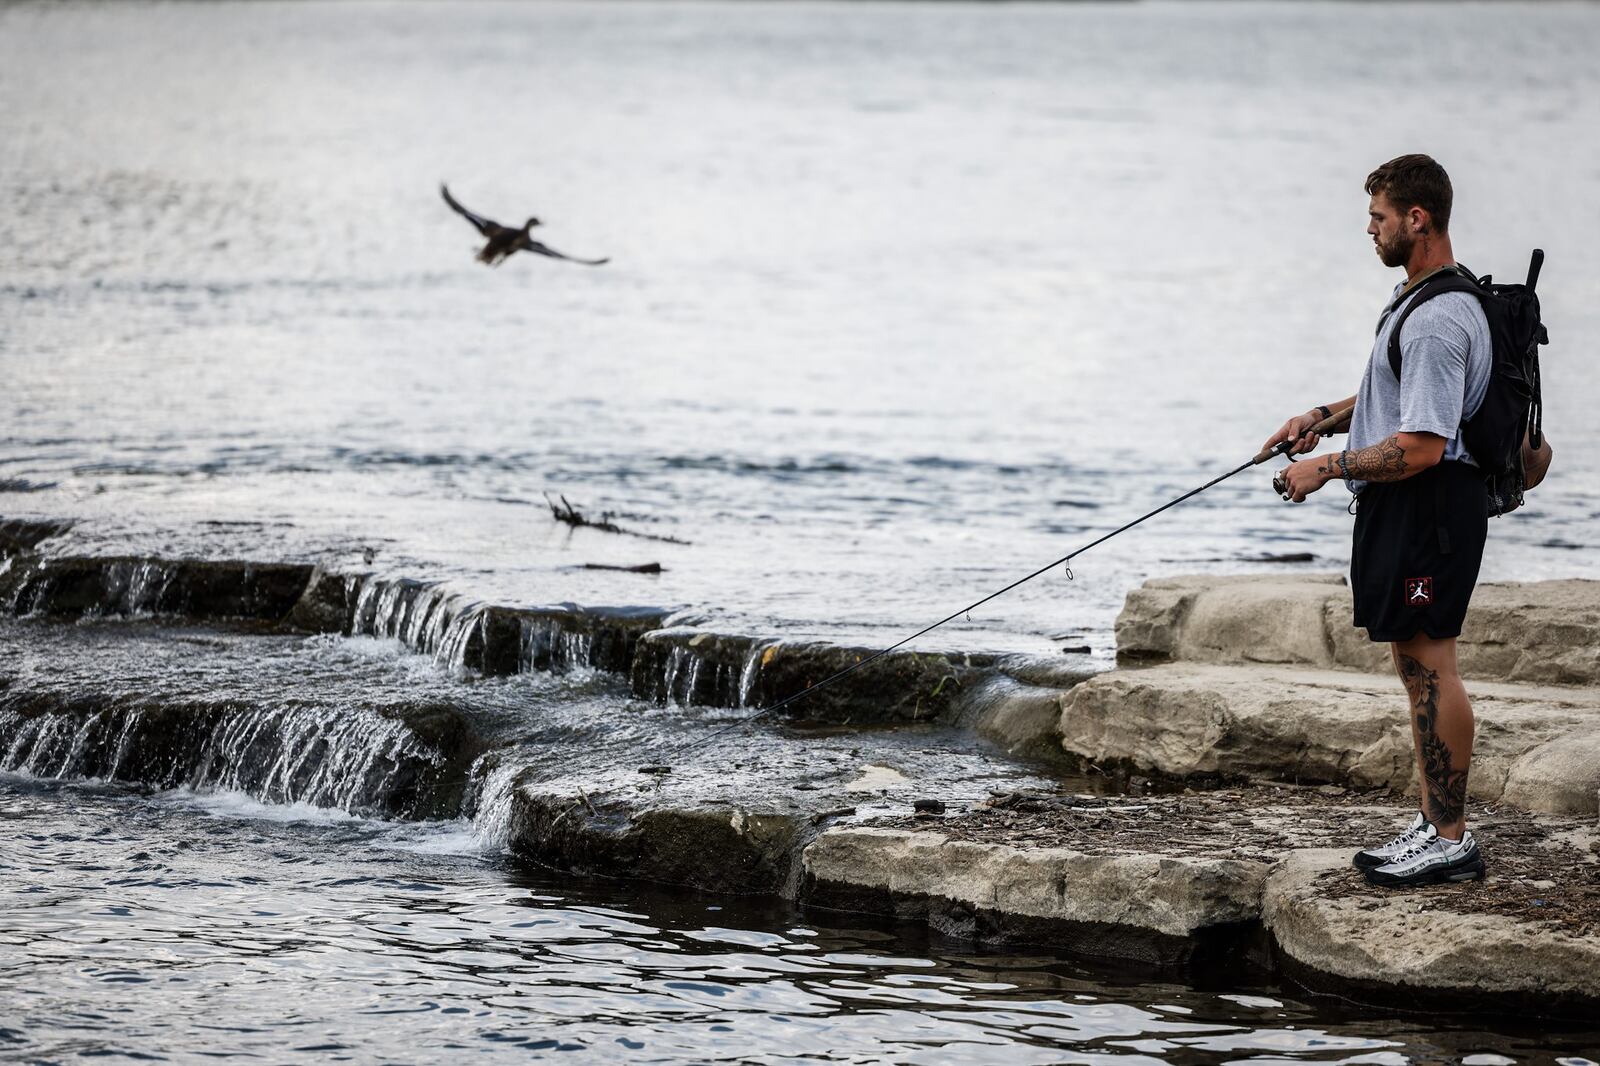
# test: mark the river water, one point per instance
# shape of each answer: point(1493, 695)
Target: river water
point(221, 928)
point(905, 300)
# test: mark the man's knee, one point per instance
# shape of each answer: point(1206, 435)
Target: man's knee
point(1437, 655)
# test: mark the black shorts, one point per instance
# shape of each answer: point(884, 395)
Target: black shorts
point(1418, 545)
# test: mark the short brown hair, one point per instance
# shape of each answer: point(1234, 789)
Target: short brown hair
point(1415, 181)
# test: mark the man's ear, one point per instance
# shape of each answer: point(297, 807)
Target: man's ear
point(1417, 220)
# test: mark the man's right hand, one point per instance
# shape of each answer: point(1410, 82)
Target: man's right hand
point(1295, 430)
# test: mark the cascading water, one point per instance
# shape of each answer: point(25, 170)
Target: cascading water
point(549, 644)
point(751, 670)
point(492, 807)
point(425, 617)
point(358, 761)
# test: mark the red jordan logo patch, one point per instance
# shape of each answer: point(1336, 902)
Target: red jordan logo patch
point(1419, 591)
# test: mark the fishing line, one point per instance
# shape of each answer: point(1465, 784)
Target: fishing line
point(1262, 456)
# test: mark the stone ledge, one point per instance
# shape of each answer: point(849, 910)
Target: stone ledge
point(1177, 896)
point(693, 667)
point(1390, 944)
point(1157, 880)
point(1182, 720)
point(713, 847)
point(192, 588)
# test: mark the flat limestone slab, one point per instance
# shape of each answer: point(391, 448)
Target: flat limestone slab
point(1417, 942)
point(1535, 744)
point(1173, 895)
point(734, 814)
point(1237, 870)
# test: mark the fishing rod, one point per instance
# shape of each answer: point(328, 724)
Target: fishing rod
point(1321, 428)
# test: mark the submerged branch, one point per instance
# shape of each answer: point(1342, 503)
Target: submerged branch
point(565, 512)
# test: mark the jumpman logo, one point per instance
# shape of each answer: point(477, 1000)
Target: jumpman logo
point(1419, 591)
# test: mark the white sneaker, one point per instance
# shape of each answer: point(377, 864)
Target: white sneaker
point(1372, 858)
point(1431, 860)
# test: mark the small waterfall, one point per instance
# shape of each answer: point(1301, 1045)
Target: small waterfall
point(305, 755)
point(493, 810)
point(125, 741)
point(688, 668)
point(692, 685)
point(200, 589)
point(460, 631)
point(567, 637)
point(29, 739)
point(424, 616)
point(141, 587)
point(359, 761)
point(550, 644)
point(676, 693)
point(758, 655)
point(685, 667)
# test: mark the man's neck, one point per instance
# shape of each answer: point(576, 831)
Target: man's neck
point(1430, 253)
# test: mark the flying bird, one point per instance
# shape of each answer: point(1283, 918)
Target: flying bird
point(503, 240)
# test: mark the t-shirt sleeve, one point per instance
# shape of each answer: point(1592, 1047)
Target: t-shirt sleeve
point(1434, 344)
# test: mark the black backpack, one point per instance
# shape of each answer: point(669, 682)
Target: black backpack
point(1512, 406)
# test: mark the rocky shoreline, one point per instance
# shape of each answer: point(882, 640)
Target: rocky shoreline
point(1192, 809)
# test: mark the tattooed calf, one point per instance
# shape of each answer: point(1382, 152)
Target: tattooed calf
point(1444, 787)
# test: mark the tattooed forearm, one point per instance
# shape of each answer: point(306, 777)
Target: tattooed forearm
point(1444, 788)
point(1385, 461)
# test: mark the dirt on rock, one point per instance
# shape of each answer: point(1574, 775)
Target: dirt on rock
point(1542, 869)
point(1257, 823)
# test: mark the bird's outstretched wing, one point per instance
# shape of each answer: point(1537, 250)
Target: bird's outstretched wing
point(484, 226)
point(544, 249)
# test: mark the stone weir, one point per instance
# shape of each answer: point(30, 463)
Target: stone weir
point(664, 663)
point(281, 718)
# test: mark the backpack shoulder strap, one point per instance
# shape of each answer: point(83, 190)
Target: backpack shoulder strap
point(1446, 279)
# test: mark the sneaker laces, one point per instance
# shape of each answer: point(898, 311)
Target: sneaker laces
point(1402, 840)
point(1415, 849)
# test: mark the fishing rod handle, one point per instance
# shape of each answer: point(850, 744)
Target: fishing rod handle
point(1328, 425)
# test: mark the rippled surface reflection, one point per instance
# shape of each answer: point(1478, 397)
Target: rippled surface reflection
point(176, 926)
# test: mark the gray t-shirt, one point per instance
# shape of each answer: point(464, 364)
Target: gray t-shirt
point(1445, 358)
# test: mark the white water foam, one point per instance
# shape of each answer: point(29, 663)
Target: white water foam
point(231, 803)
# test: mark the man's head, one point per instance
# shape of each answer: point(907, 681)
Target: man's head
point(1411, 199)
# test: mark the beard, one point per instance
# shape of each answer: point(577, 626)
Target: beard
point(1397, 250)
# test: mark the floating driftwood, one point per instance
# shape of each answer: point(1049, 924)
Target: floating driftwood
point(565, 512)
point(642, 568)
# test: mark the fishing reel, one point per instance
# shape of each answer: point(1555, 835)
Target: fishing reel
point(1280, 484)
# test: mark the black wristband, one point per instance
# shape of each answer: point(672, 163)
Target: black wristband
point(1326, 412)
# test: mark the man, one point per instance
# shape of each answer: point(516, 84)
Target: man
point(1421, 508)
